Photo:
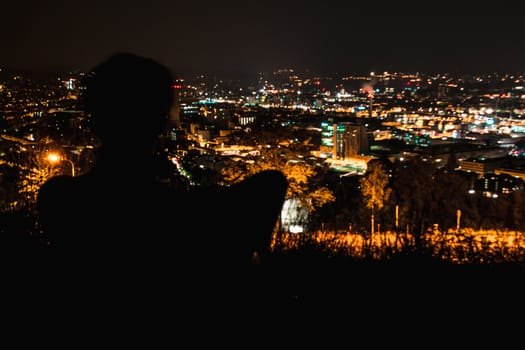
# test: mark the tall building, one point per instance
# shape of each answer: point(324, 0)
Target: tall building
point(349, 140)
point(174, 115)
point(174, 124)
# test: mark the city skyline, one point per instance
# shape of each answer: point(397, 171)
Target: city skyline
point(235, 39)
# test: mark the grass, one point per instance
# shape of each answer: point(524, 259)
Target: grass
point(394, 273)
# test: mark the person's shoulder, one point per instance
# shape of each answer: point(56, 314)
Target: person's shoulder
point(269, 176)
point(55, 188)
point(268, 185)
point(56, 183)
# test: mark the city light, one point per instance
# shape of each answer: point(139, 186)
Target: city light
point(55, 158)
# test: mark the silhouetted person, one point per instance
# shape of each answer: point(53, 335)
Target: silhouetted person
point(117, 232)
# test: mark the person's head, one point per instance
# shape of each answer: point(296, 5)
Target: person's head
point(128, 98)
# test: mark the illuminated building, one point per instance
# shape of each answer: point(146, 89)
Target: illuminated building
point(349, 140)
point(174, 115)
point(343, 140)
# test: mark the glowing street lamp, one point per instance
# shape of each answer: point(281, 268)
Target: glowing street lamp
point(54, 158)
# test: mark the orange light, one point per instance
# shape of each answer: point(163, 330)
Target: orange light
point(53, 157)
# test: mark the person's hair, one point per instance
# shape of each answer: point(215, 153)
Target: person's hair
point(128, 94)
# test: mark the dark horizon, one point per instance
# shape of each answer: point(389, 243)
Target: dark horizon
point(232, 75)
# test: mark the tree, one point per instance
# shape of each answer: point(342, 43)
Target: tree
point(302, 176)
point(413, 185)
point(449, 194)
point(375, 188)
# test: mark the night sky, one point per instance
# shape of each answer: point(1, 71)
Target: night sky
point(232, 38)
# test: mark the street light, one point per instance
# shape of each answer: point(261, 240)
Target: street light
point(55, 158)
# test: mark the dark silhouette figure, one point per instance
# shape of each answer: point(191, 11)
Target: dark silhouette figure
point(118, 234)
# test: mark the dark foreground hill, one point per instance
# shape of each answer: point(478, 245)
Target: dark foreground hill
point(297, 299)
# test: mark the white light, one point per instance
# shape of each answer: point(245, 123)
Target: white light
point(296, 229)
